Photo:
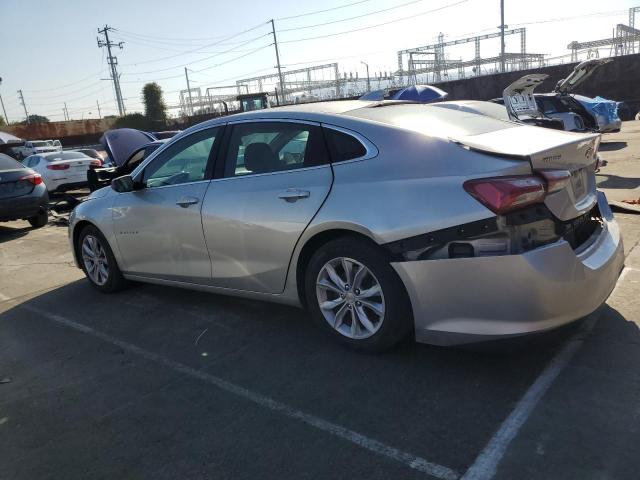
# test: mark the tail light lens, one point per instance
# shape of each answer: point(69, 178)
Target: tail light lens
point(503, 194)
point(33, 178)
point(58, 166)
point(556, 179)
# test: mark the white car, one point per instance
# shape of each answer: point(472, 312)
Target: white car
point(62, 170)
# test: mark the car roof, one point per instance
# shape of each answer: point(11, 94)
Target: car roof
point(431, 119)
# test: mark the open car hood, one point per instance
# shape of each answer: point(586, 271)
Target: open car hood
point(121, 143)
point(518, 96)
point(579, 74)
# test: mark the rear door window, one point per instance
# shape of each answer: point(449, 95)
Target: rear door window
point(343, 146)
point(265, 147)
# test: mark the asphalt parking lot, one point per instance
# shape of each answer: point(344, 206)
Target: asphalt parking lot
point(156, 382)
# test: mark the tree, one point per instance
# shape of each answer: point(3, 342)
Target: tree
point(154, 107)
point(3, 122)
point(37, 119)
point(133, 120)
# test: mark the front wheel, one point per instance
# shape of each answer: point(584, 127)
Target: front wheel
point(353, 293)
point(98, 262)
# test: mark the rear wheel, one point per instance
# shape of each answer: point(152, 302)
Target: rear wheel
point(98, 262)
point(355, 295)
point(39, 220)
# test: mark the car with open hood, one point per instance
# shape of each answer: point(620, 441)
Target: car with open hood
point(126, 148)
point(560, 108)
point(383, 219)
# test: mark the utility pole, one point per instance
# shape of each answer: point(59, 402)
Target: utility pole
point(275, 43)
point(66, 112)
point(368, 79)
point(186, 74)
point(98, 105)
point(113, 62)
point(26, 114)
point(502, 26)
point(3, 109)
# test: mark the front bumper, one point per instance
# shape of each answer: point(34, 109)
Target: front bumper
point(466, 300)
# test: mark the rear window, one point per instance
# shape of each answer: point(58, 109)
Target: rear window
point(432, 120)
point(8, 163)
point(343, 146)
point(65, 156)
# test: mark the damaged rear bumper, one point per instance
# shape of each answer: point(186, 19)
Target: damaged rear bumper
point(466, 300)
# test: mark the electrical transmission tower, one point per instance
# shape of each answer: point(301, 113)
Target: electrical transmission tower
point(113, 63)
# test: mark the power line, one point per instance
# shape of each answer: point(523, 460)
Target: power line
point(203, 59)
point(93, 75)
point(199, 48)
point(345, 32)
point(67, 94)
point(574, 17)
point(322, 11)
point(352, 18)
point(147, 44)
point(206, 68)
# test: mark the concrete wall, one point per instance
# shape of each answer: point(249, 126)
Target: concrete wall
point(618, 80)
point(76, 132)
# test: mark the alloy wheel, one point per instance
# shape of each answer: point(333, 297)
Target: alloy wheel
point(95, 260)
point(350, 298)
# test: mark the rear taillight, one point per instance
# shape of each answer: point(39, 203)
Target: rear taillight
point(503, 194)
point(33, 178)
point(96, 163)
point(58, 166)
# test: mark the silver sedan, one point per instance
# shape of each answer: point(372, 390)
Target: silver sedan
point(381, 218)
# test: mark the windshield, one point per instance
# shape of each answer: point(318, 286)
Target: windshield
point(39, 144)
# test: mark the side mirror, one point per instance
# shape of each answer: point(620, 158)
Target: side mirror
point(123, 184)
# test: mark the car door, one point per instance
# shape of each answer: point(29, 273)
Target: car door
point(275, 177)
point(158, 226)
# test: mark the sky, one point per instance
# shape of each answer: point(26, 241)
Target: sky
point(48, 49)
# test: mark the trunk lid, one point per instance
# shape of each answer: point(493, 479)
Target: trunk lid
point(518, 96)
point(579, 74)
point(547, 149)
point(11, 184)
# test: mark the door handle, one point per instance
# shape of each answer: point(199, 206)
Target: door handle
point(294, 194)
point(184, 202)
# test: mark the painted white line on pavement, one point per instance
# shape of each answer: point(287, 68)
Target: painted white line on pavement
point(407, 459)
point(486, 464)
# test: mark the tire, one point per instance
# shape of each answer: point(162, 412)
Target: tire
point(39, 220)
point(378, 328)
point(113, 280)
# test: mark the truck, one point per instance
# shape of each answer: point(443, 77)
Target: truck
point(32, 147)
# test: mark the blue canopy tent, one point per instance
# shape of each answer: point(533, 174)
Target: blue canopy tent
point(414, 93)
point(421, 93)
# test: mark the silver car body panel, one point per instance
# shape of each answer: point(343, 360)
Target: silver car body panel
point(538, 290)
point(248, 241)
